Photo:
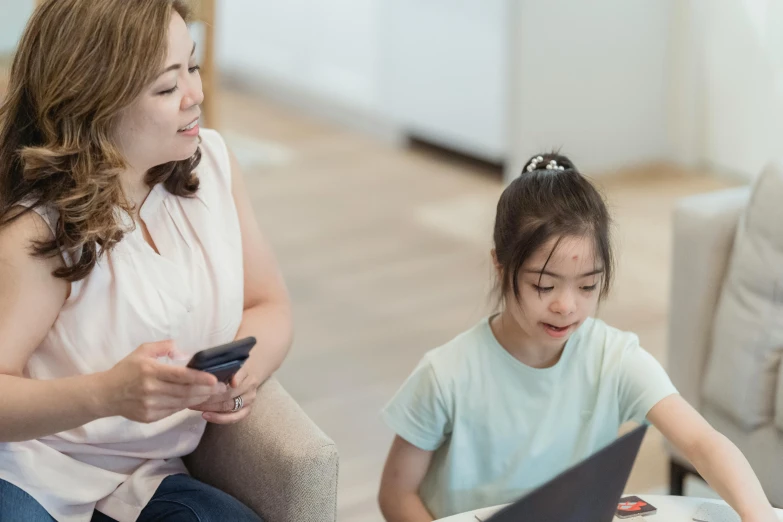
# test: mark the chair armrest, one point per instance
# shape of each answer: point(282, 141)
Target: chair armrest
point(704, 230)
point(276, 461)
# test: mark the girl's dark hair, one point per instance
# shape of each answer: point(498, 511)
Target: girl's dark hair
point(551, 198)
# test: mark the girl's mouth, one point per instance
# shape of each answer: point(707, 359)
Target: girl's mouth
point(556, 331)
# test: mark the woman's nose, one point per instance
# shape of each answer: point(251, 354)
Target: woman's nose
point(194, 95)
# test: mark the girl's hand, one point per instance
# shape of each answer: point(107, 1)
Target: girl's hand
point(219, 408)
point(767, 516)
point(143, 389)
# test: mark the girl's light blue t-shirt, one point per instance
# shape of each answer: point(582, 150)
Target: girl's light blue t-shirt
point(500, 428)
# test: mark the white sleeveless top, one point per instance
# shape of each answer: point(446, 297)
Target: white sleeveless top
point(191, 293)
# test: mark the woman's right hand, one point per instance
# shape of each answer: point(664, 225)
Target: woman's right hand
point(143, 389)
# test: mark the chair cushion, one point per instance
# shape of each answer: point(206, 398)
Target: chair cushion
point(747, 335)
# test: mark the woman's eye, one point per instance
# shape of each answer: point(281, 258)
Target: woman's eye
point(194, 68)
point(589, 288)
point(542, 288)
point(168, 91)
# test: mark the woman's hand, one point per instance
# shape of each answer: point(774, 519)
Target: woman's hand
point(143, 389)
point(219, 408)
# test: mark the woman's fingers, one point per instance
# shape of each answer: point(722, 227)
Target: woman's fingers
point(239, 378)
point(215, 399)
point(226, 404)
point(183, 375)
point(241, 384)
point(226, 418)
point(170, 395)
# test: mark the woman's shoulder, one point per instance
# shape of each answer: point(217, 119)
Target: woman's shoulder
point(35, 222)
point(28, 225)
point(18, 236)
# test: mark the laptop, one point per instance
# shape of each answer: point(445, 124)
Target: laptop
point(586, 492)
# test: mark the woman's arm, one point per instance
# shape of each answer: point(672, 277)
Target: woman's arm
point(30, 300)
point(139, 387)
point(714, 456)
point(266, 315)
point(405, 468)
point(267, 308)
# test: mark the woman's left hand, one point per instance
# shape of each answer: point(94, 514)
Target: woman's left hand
point(218, 408)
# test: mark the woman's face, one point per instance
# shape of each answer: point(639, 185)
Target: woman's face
point(162, 124)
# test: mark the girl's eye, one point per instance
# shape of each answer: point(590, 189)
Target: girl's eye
point(589, 288)
point(543, 289)
point(168, 91)
point(194, 68)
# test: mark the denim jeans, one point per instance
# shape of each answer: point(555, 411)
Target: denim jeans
point(179, 498)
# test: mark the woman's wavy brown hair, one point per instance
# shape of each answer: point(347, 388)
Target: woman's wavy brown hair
point(79, 64)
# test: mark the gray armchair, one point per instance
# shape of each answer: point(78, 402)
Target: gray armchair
point(277, 461)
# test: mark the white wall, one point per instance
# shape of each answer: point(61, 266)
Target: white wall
point(13, 17)
point(327, 49)
point(742, 57)
point(592, 78)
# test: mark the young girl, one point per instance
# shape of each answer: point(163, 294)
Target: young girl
point(534, 389)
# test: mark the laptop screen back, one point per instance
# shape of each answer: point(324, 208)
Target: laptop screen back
point(586, 492)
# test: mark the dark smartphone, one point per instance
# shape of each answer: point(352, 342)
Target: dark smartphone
point(630, 507)
point(225, 360)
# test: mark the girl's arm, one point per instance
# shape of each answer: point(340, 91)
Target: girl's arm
point(405, 468)
point(714, 456)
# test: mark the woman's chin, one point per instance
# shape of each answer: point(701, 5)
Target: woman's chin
point(186, 153)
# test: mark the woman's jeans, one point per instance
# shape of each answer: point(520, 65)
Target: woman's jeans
point(179, 498)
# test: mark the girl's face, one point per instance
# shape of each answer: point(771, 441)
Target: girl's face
point(153, 130)
point(554, 304)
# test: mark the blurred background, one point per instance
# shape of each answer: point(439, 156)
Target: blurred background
point(377, 135)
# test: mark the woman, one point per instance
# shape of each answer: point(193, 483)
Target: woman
point(124, 230)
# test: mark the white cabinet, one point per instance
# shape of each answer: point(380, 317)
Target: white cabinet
point(445, 71)
point(497, 79)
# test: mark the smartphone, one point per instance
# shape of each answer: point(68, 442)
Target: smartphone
point(630, 507)
point(225, 360)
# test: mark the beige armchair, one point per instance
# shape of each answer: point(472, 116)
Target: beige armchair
point(704, 237)
point(277, 461)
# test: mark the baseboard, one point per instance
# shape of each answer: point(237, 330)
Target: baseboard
point(313, 104)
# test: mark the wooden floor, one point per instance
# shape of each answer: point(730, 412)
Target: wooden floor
point(386, 254)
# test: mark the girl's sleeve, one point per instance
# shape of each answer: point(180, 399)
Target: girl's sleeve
point(419, 411)
point(642, 382)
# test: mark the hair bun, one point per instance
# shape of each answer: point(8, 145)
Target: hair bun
point(548, 162)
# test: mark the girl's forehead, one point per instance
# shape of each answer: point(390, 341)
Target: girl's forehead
point(567, 249)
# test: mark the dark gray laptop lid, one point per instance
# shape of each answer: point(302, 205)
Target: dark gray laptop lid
point(586, 492)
